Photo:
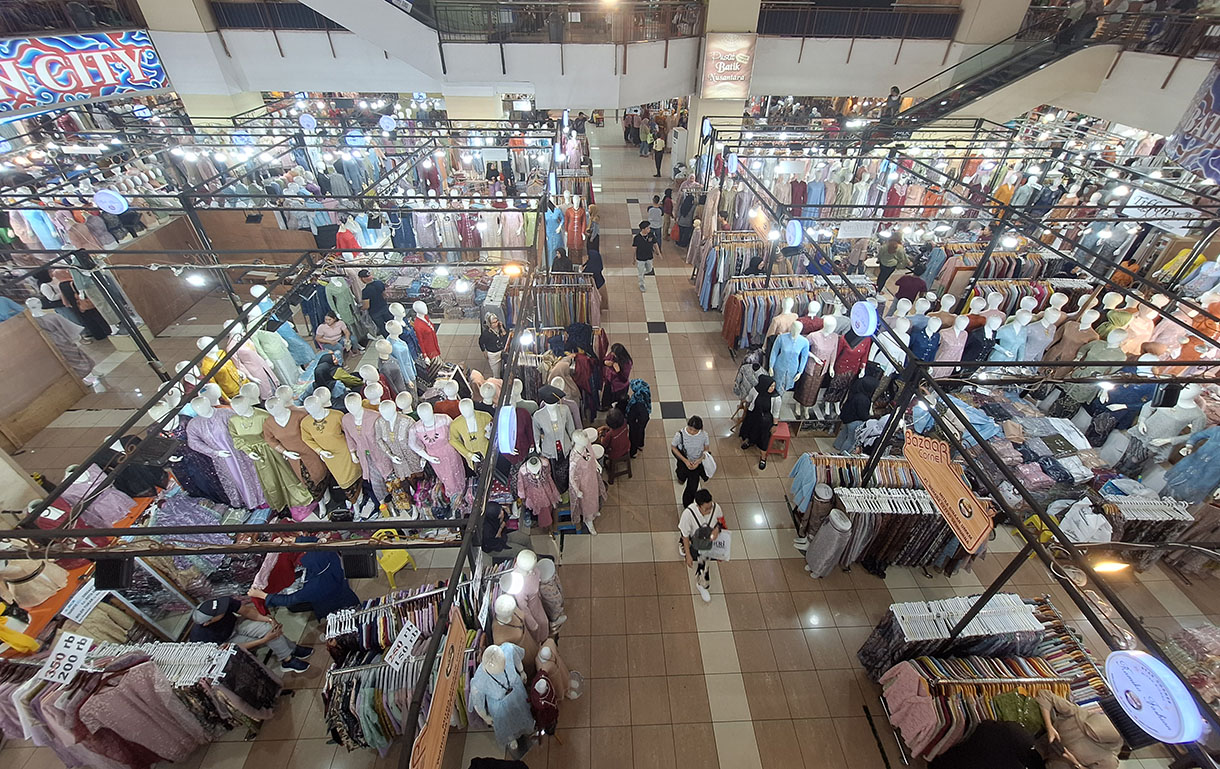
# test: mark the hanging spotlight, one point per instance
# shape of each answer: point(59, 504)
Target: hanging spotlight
point(364, 105)
point(512, 270)
point(427, 164)
point(1155, 174)
point(527, 338)
point(467, 158)
point(957, 210)
point(442, 270)
point(461, 285)
point(1121, 191)
point(328, 156)
point(1009, 241)
point(190, 157)
point(755, 213)
point(773, 235)
point(220, 157)
point(197, 279)
point(1112, 173)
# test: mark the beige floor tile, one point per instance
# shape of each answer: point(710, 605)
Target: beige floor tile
point(719, 652)
point(713, 616)
point(637, 547)
point(737, 745)
point(726, 695)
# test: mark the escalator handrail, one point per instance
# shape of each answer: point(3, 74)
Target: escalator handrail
point(988, 49)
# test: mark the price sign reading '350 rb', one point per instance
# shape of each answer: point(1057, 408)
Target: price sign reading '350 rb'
point(968, 517)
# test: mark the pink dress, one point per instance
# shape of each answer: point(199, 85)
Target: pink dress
point(375, 464)
point(824, 347)
point(538, 491)
point(584, 474)
point(511, 223)
point(952, 343)
point(529, 601)
point(435, 442)
point(257, 370)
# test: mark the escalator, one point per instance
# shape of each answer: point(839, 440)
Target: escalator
point(1031, 49)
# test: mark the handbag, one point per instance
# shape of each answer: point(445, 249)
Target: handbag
point(709, 465)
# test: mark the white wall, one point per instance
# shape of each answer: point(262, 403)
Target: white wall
point(1133, 94)
point(197, 64)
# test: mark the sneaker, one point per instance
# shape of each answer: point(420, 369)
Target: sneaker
point(294, 665)
point(302, 652)
point(706, 596)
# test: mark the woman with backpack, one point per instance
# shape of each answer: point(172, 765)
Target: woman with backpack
point(700, 525)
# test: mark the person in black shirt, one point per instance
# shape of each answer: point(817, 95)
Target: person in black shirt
point(561, 262)
point(498, 542)
point(492, 340)
point(594, 266)
point(373, 300)
point(646, 249)
point(578, 125)
point(228, 620)
point(855, 412)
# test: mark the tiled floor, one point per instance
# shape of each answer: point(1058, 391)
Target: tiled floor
point(765, 674)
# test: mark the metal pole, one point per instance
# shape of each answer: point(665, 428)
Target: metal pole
point(197, 225)
point(129, 325)
point(910, 380)
point(996, 585)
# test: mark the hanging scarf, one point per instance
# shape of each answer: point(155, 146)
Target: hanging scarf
point(640, 393)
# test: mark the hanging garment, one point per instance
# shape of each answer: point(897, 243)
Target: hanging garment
point(374, 464)
point(575, 222)
point(1196, 475)
point(309, 468)
point(210, 435)
point(434, 441)
point(65, 336)
point(950, 348)
point(276, 349)
point(327, 435)
point(427, 233)
point(315, 306)
point(195, 471)
point(281, 487)
point(788, 359)
point(339, 297)
point(554, 233)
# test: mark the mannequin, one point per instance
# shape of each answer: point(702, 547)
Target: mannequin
point(429, 438)
point(322, 431)
point(508, 626)
point(213, 393)
point(1028, 303)
point(947, 303)
point(489, 396)
point(902, 308)
point(1139, 330)
point(544, 704)
point(1081, 393)
point(1040, 334)
point(981, 341)
point(994, 300)
point(65, 336)
point(369, 375)
point(401, 350)
point(536, 488)
point(568, 402)
point(251, 392)
point(282, 432)
point(388, 367)
point(252, 365)
point(551, 663)
point(789, 356)
point(498, 694)
point(208, 433)
point(553, 428)
point(523, 583)
point(901, 328)
point(919, 314)
point(783, 321)
point(470, 433)
point(281, 487)
point(227, 377)
point(392, 433)
point(1010, 338)
point(551, 593)
point(823, 345)
point(449, 404)
point(1161, 429)
point(1074, 336)
point(373, 395)
point(952, 345)
point(975, 310)
point(425, 332)
point(925, 342)
point(586, 486)
point(358, 430)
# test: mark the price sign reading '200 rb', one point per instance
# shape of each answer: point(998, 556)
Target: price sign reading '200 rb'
point(968, 517)
point(66, 658)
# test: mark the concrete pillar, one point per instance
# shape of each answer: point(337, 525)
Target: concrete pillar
point(722, 16)
point(986, 22)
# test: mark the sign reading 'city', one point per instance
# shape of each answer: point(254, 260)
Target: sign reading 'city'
point(43, 72)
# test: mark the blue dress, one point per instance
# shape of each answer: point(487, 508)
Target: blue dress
point(402, 354)
point(1197, 475)
point(1009, 342)
point(554, 240)
point(302, 353)
point(504, 698)
point(788, 358)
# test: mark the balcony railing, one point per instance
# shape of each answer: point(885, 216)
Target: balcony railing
point(269, 14)
point(800, 18)
point(45, 17)
point(1184, 35)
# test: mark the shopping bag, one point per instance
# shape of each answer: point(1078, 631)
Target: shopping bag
point(722, 546)
point(709, 465)
point(674, 232)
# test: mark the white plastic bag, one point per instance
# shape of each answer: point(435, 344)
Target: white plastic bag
point(722, 546)
point(709, 465)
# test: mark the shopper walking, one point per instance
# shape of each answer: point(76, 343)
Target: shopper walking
point(492, 340)
point(646, 249)
point(891, 256)
point(373, 300)
point(689, 446)
point(700, 525)
point(639, 411)
point(667, 213)
point(593, 266)
point(645, 138)
point(658, 153)
point(656, 217)
point(892, 103)
point(616, 374)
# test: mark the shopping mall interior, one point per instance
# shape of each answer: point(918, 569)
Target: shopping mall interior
point(761, 384)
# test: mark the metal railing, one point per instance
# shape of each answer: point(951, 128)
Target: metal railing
point(42, 17)
point(269, 14)
point(1185, 35)
point(801, 18)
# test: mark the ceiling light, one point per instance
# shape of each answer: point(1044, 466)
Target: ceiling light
point(1009, 241)
point(196, 279)
point(1110, 567)
point(461, 285)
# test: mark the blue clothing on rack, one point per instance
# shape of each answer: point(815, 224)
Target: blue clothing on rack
point(924, 345)
point(788, 358)
point(357, 177)
point(9, 308)
point(408, 336)
point(314, 305)
point(554, 239)
point(985, 425)
point(804, 478)
point(815, 196)
point(43, 227)
point(1196, 476)
point(402, 232)
point(932, 267)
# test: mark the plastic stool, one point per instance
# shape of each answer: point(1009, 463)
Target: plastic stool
point(392, 561)
point(779, 435)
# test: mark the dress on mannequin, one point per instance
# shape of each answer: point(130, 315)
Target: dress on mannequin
point(276, 349)
point(1068, 346)
point(503, 696)
point(256, 369)
point(327, 435)
point(849, 362)
point(822, 347)
point(952, 346)
point(228, 378)
point(210, 435)
point(538, 491)
point(1009, 342)
point(575, 222)
point(1195, 477)
point(924, 345)
point(309, 469)
point(584, 475)
point(550, 430)
point(375, 466)
point(195, 471)
point(281, 487)
point(1037, 339)
point(396, 443)
point(435, 440)
point(469, 442)
point(425, 332)
point(788, 359)
point(530, 602)
point(978, 345)
point(554, 238)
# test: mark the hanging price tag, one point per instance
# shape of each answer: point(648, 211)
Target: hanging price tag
point(66, 658)
point(400, 651)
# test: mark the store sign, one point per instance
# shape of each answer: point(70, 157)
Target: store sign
point(1146, 205)
point(728, 64)
point(41, 72)
point(1155, 699)
point(83, 602)
point(400, 651)
point(1195, 143)
point(966, 514)
point(429, 748)
point(857, 229)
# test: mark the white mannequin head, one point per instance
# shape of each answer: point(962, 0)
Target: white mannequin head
point(426, 415)
point(337, 282)
point(258, 291)
point(1058, 300)
point(948, 302)
point(1088, 318)
point(202, 406)
point(933, 326)
point(1186, 398)
point(795, 330)
point(960, 323)
point(518, 391)
point(505, 605)
point(994, 300)
point(526, 561)
point(902, 327)
point(353, 403)
point(374, 393)
point(212, 392)
point(902, 308)
point(1028, 303)
point(283, 394)
point(494, 660)
point(466, 408)
point(922, 306)
point(977, 305)
point(405, 402)
point(277, 409)
point(1116, 338)
point(1022, 317)
point(420, 308)
point(1111, 300)
point(204, 342)
point(398, 311)
point(322, 394)
point(249, 390)
point(487, 391)
point(450, 388)
point(1051, 317)
point(991, 325)
point(788, 303)
point(242, 406)
point(368, 373)
point(545, 569)
point(34, 305)
point(384, 348)
point(830, 323)
point(394, 328)
point(579, 440)
point(815, 309)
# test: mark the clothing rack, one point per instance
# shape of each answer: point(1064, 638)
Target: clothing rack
point(951, 269)
point(182, 663)
point(1061, 648)
point(574, 300)
point(748, 313)
point(1142, 520)
point(731, 251)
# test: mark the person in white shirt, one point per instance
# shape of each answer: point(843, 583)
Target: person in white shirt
point(700, 524)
